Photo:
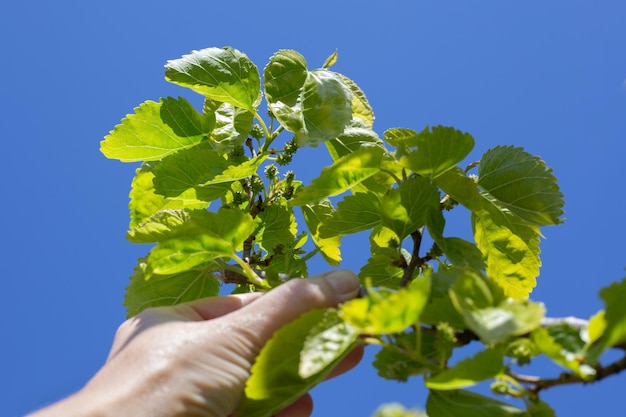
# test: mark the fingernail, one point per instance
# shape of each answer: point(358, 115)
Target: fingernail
point(345, 283)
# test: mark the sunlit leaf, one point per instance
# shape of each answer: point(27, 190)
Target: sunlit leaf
point(402, 358)
point(232, 125)
point(221, 74)
point(355, 136)
point(387, 312)
point(396, 410)
point(144, 201)
point(215, 235)
point(166, 290)
point(361, 108)
point(342, 175)
point(327, 341)
point(355, 213)
point(438, 150)
point(326, 108)
point(330, 61)
point(284, 77)
point(470, 371)
point(276, 225)
point(315, 214)
point(564, 346)
point(522, 183)
point(511, 249)
point(156, 130)
point(405, 209)
point(460, 188)
point(613, 319)
point(275, 381)
point(468, 404)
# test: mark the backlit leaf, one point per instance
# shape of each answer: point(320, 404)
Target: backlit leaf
point(156, 130)
point(144, 201)
point(382, 312)
point(342, 175)
point(355, 213)
point(361, 108)
point(468, 404)
point(438, 150)
point(563, 345)
point(326, 108)
point(284, 77)
point(461, 188)
point(613, 320)
point(232, 125)
point(522, 183)
point(315, 214)
point(510, 247)
point(166, 290)
point(275, 380)
point(327, 341)
point(276, 225)
point(216, 235)
point(405, 209)
point(221, 74)
point(470, 371)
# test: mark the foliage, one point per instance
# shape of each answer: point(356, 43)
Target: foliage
point(210, 199)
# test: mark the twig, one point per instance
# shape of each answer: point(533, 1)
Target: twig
point(415, 258)
point(538, 384)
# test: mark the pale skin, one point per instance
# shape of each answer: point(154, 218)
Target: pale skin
point(193, 359)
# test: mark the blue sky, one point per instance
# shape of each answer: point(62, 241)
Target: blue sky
point(547, 76)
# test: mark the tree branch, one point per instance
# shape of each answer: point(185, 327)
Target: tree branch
point(538, 384)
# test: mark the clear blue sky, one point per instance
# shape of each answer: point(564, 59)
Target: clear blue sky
point(548, 76)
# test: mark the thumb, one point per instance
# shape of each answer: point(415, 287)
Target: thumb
point(288, 301)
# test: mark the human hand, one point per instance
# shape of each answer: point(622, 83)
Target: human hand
point(193, 359)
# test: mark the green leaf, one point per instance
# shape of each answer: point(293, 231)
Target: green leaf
point(522, 183)
point(384, 312)
point(221, 74)
point(144, 201)
point(275, 381)
point(406, 208)
point(401, 359)
point(540, 408)
point(160, 226)
point(470, 371)
point(400, 137)
point(216, 235)
point(330, 61)
point(156, 130)
point(330, 339)
point(510, 247)
point(239, 170)
point(191, 169)
point(342, 175)
point(613, 320)
point(284, 76)
point(326, 108)
point(315, 214)
point(166, 290)
point(487, 314)
point(467, 404)
point(276, 226)
point(232, 125)
point(354, 213)
point(355, 136)
point(461, 188)
point(438, 150)
point(361, 109)
point(563, 344)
